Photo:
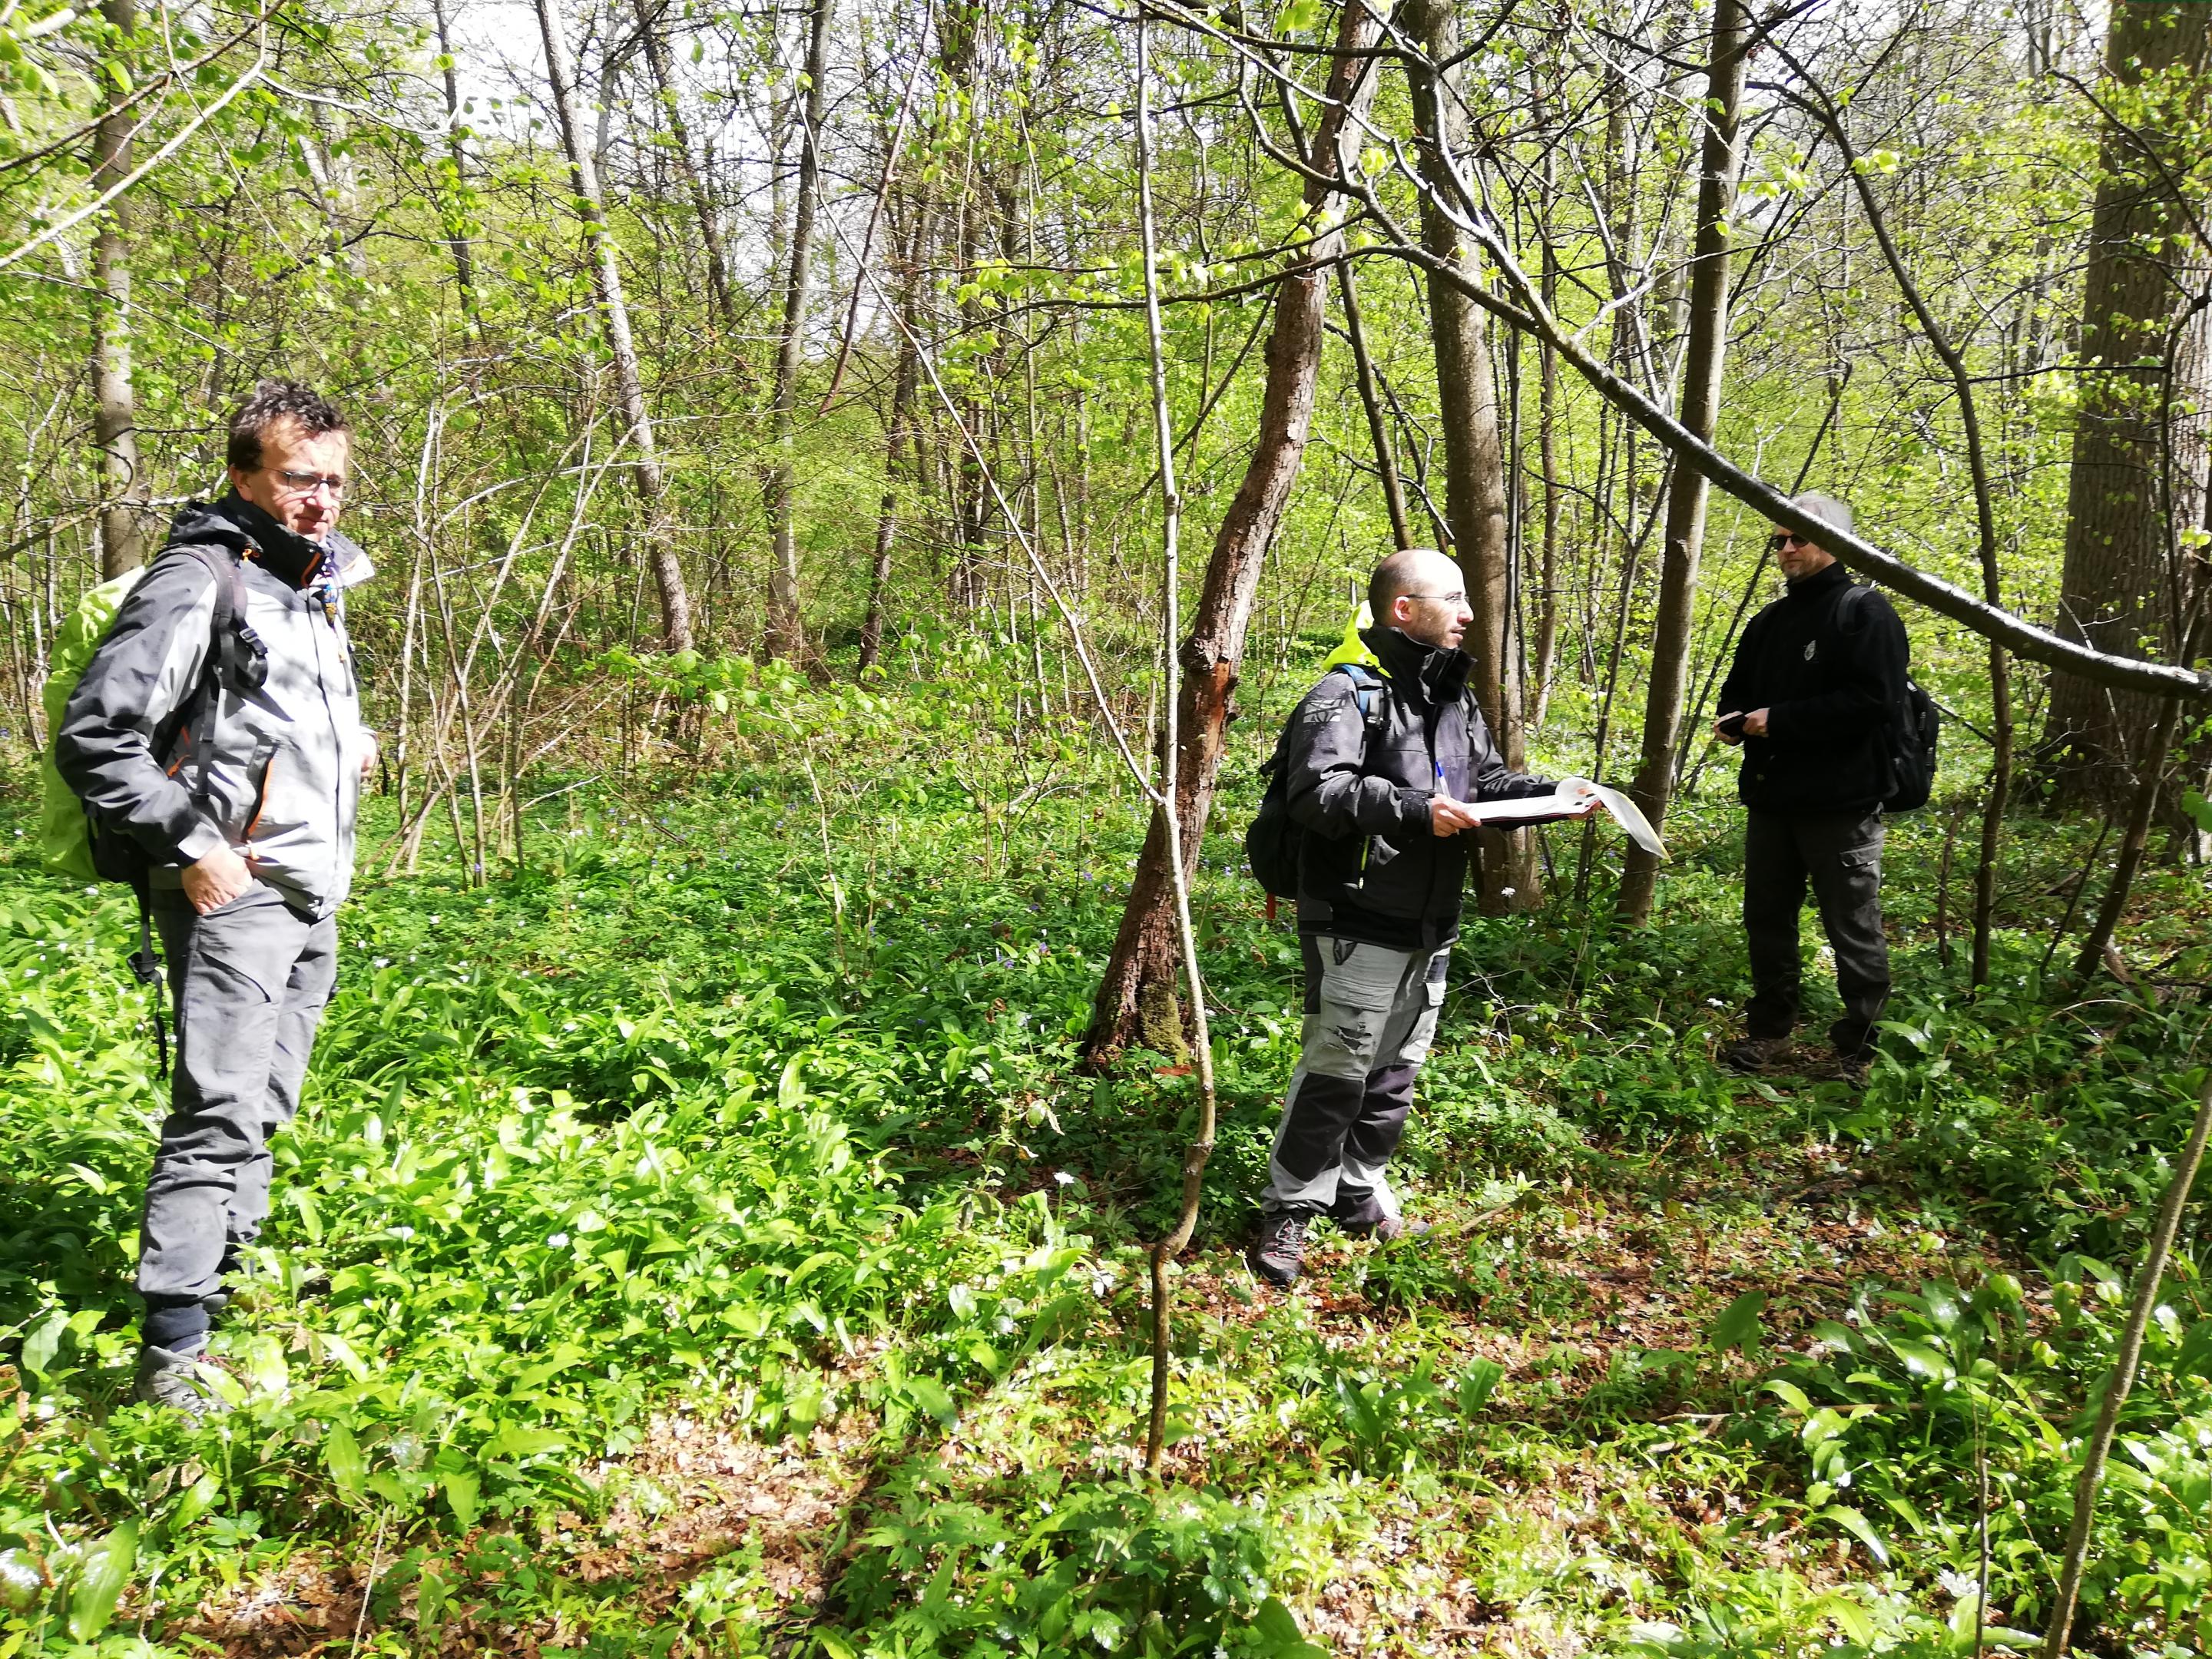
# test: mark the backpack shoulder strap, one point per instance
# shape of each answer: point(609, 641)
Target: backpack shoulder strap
point(1367, 688)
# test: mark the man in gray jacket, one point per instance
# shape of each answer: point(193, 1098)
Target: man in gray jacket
point(218, 727)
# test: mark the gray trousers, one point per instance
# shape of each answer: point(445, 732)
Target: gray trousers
point(1838, 855)
point(1371, 1017)
point(250, 982)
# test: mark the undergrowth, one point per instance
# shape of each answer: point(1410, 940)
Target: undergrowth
point(751, 1109)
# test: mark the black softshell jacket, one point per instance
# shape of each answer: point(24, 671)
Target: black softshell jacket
point(1371, 868)
point(1828, 687)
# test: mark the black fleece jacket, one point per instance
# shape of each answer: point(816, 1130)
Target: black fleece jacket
point(1371, 868)
point(1829, 685)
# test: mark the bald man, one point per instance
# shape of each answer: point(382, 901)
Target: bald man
point(1385, 798)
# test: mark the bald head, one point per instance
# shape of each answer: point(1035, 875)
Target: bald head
point(1419, 592)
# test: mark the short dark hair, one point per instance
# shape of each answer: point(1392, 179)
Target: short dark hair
point(279, 400)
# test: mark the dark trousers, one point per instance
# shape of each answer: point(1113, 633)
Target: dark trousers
point(1838, 855)
point(1371, 1016)
point(250, 981)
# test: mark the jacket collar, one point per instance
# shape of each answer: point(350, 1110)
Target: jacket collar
point(1820, 581)
point(252, 533)
point(1432, 674)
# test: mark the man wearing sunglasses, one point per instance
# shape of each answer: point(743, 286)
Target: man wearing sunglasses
point(1809, 698)
point(216, 734)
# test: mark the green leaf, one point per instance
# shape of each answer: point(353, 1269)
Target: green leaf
point(1477, 1383)
point(930, 1395)
point(461, 1487)
point(1850, 1618)
point(342, 1456)
point(106, 1570)
point(39, 1348)
point(1738, 1325)
point(1857, 1525)
point(515, 1441)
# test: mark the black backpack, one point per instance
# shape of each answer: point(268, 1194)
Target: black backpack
point(1275, 840)
point(1909, 736)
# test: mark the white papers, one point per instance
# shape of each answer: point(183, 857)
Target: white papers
point(1571, 796)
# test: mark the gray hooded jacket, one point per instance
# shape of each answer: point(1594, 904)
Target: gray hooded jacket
point(273, 772)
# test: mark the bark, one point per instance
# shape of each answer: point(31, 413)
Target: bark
point(1475, 456)
point(1145, 949)
point(1688, 490)
point(1378, 430)
point(899, 439)
point(457, 233)
point(2139, 441)
point(786, 632)
point(687, 168)
point(115, 407)
point(645, 473)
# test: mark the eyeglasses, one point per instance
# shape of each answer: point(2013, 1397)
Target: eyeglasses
point(1786, 539)
point(1458, 598)
point(306, 483)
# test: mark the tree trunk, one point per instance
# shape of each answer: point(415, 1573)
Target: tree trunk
point(786, 632)
point(1688, 490)
point(1378, 430)
point(115, 409)
point(457, 229)
point(897, 439)
point(645, 471)
point(1474, 458)
point(2139, 439)
point(1145, 955)
point(695, 182)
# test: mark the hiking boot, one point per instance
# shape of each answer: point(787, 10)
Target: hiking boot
point(177, 1381)
point(1755, 1055)
point(1280, 1250)
point(1853, 1068)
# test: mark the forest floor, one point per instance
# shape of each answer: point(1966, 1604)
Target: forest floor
point(702, 1240)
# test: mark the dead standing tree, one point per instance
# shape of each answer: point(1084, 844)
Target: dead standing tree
point(1136, 999)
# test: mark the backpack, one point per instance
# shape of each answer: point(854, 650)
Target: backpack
point(74, 841)
point(1909, 736)
point(1276, 840)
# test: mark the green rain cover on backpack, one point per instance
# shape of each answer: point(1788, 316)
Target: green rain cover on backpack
point(64, 837)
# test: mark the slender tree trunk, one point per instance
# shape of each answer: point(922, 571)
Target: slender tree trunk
point(1688, 490)
point(897, 439)
point(457, 231)
point(1547, 449)
point(687, 166)
point(645, 471)
point(1474, 457)
point(2139, 439)
point(2150, 771)
point(1378, 431)
point(786, 632)
point(115, 407)
point(1145, 949)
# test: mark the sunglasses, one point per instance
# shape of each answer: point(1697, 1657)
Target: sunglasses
point(1786, 539)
